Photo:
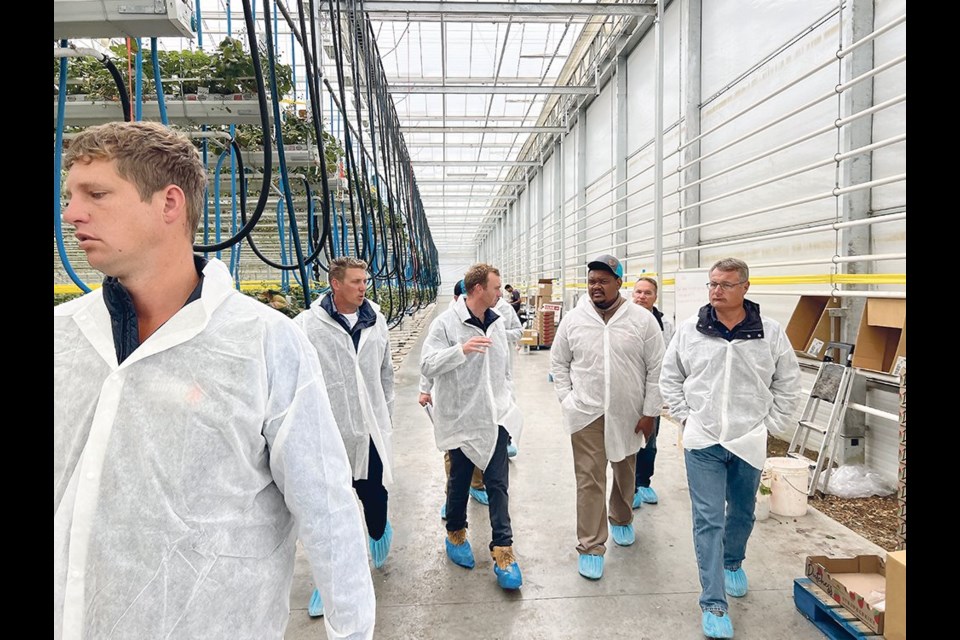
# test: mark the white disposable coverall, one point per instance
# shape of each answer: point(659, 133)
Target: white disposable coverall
point(359, 384)
point(609, 370)
point(511, 325)
point(183, 476)
point(473, 393)
point(731, 392)
point(511, 322)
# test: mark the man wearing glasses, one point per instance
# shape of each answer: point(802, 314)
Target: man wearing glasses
point(729, 375)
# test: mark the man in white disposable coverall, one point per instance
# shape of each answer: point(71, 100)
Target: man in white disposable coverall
point(353, 342)
point(605, 362)
point(645, 295)
point(467, 356)
point(193, 439)
point(514, 331)
point(730, 376)
point(477, 491)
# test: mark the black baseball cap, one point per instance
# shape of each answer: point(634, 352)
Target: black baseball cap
point(606, 262)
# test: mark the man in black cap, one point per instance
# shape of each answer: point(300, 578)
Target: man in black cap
point(605, 363)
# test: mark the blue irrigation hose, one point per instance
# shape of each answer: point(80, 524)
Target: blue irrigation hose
point(234, 249)
point(138, 83)
point(57, 160)
point(200, 24)
point(216, 198)
point(161, 101)
point(281, 157)
point(345, 248)
point(284, 275)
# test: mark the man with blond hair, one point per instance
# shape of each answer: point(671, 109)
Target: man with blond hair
point(467, 356)
point(193, 438)
point(353, 344)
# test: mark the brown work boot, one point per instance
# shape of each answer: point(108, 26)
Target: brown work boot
point(506, 569)
point(503, 556)
point(458, 549)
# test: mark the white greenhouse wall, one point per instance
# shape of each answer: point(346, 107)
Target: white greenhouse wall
point(756, 165)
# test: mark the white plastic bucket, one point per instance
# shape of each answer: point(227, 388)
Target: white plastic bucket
point(789, 479)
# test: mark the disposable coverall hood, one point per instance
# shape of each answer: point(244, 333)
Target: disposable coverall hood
point(472, 394)
point(731, 392)
point(511, 322)
point(359, 383)
point(609, 370)
point(183, 476)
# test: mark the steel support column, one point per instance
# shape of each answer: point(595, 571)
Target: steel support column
point(691, 36)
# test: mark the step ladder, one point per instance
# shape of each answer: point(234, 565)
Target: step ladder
point(832, 387)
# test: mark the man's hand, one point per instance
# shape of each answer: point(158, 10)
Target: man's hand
point(425, 399)
point(476, 344)
point(646, 426)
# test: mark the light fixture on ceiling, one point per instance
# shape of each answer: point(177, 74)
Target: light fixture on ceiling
point(471, 174)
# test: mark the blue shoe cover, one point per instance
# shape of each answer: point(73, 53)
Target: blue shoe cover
point(623, 534)
point(717, 626)
point(509, 578)
point(315, 608)
point(461, 554)
point(480, 495)
point(380, 548)
point(647, 494)
point(637, 501)
point(443, 511)
point(591, 566)
point(735, 582)
point(511, 450)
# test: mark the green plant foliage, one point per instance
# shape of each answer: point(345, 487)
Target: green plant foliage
point(60, 298)
point(227, 70)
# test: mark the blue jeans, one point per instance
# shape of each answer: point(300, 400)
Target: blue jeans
point(496, 477)
point(647, 456)
point(723, 494)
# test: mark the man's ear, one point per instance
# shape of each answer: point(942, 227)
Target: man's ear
point(174, 204)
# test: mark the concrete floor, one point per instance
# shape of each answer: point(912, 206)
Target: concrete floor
point(649, 591)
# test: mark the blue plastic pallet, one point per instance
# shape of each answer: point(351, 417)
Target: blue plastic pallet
point(827, 615)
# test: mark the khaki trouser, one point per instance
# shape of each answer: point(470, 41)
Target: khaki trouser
point(590, 466)
point(476, 482)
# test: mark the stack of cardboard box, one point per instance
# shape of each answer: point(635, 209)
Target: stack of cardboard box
point(544, 322)
point(546, 326)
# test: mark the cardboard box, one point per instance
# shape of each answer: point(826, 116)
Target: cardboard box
point(895, 616)
point(809, 326)
point(545, 289)
point(529, 337)
point(853, 583)
point(882, 337)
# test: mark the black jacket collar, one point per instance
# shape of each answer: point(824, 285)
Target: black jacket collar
point(366, 316)
point(658, 315)
point(750, 329)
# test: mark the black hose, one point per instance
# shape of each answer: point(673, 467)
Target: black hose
point(267, 157)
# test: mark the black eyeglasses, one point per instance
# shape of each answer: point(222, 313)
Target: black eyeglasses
point(726, 286)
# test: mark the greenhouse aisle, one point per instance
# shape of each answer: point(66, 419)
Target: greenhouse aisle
point(648, 590)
